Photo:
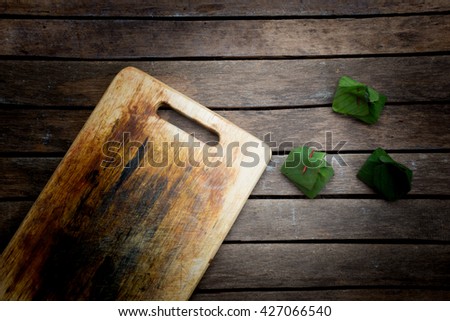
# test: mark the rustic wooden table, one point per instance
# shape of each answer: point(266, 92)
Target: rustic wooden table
point(269, 67)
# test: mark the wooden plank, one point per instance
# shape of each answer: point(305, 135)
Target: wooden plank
point(106, 39)
point(41, 130)
point(327, 295)
point(308, 220)
point(342, 219)
point(397, 128)
point(218, 8)
point(12, 214)
point(249, 83)
point(26, 176)
point(48, 130)
point(327, 265)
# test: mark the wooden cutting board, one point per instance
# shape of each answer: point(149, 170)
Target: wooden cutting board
point(128, 213)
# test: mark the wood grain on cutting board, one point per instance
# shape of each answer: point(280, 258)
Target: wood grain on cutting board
point(124, 227)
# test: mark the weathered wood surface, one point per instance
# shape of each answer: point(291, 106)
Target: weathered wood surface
point(311, 220)
point(12, 214)
point(249, 83)
point(370, 294)
point(59, 57)
point(126, 229)
point(54, 130)
point(219, 8)
point(313, 265)
point(342, 219)
point(108, 39)
point(26, 176)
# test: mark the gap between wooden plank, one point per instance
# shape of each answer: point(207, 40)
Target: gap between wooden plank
point(224, 18)
point(325, 294)
point(223, 58)
point(221, 108)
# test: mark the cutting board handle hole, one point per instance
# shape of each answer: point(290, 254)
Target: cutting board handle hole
point(190, 126)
